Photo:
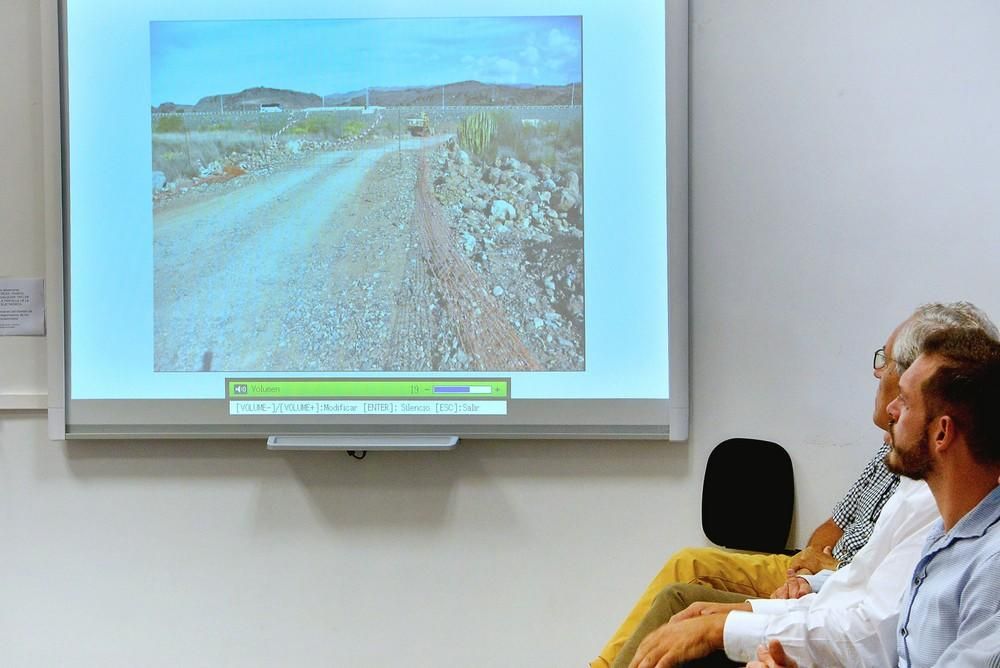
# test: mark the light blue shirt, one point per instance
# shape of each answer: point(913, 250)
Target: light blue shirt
point(951, 614)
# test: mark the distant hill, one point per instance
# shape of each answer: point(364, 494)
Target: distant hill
point(171, 108)
point(247, 100)
point(462, 93)
point(252, 98)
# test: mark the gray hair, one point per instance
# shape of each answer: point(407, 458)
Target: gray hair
point(932, 318)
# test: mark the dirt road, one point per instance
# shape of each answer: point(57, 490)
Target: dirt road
point(282, 273)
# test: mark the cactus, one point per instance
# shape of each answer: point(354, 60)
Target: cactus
point(476, 132)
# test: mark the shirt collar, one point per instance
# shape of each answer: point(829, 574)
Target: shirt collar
point(978, 520)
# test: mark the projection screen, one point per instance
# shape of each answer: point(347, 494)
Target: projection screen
point(368, 217)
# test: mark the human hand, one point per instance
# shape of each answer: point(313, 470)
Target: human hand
point(701, 608)
point(673, 644)
point(794, 587)
point(814, 560)
point(772, 656)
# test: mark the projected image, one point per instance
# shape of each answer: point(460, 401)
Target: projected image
point(368, 195)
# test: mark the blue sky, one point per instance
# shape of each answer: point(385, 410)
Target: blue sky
point(194, 59)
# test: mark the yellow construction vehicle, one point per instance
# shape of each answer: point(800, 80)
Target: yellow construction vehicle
point(419, 126)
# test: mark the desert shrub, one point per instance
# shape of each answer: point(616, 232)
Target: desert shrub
point(322, 125)
point(353, 128)
point(173, 123)
point(573, 159)
point(393, 125)
point(319, 125)
point(548, 157)
point(180, 155)
point(510, 134)
point(571, 134)
point(271, 122)
point(551, 128)
point(170, 156)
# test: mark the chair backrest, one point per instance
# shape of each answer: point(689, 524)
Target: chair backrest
point(747, 498)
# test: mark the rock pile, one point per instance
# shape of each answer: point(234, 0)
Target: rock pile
point(521, 226)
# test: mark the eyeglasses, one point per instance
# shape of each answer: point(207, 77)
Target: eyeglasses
point(881, 359)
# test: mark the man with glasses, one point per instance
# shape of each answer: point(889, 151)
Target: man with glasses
point(844, 621)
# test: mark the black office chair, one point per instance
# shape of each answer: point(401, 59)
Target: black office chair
point(748, 494)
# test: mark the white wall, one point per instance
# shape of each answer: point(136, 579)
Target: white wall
point(844, 169)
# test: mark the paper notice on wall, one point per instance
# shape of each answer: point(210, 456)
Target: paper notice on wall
point(22, 307)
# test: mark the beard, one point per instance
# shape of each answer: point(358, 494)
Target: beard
point(913, 462)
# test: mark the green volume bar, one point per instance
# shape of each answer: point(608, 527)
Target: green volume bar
point(424, 388)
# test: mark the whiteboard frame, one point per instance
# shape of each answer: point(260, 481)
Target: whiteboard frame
point(678, 168)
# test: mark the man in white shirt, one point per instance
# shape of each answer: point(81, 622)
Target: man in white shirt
point(851, 621)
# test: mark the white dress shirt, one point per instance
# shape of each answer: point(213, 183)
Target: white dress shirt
point(852, 620)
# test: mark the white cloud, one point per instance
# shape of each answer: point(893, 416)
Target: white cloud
point(562, 45)
point(530, 54)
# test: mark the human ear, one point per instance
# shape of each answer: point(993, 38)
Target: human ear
point(944, 433)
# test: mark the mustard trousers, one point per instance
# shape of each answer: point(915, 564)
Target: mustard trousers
point(750, 574)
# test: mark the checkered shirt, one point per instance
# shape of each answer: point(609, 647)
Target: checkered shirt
point(857, 511)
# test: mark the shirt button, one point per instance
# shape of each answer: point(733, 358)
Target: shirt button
point(902, 632)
